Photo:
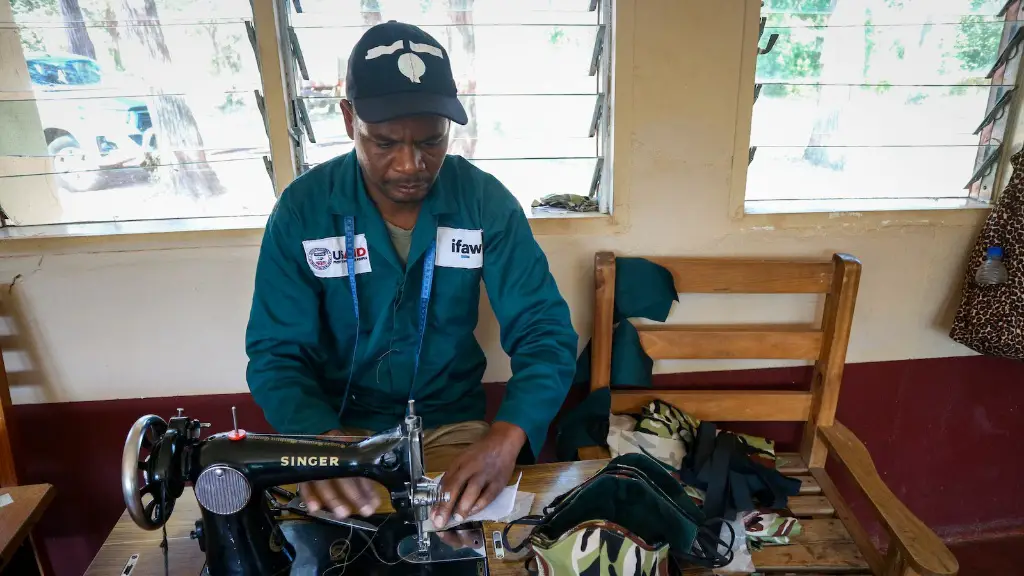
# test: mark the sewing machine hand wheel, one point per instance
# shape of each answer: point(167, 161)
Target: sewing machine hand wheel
point(144, 435)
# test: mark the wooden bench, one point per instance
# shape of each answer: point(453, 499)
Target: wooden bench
point(833, 541)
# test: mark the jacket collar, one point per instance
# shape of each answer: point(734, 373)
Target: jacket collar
point(350, 198)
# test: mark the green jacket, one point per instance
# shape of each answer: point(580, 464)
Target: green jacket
point(302, 326)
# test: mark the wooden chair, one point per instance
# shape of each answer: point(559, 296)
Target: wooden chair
point(833, 541)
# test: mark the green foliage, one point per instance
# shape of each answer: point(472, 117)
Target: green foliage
point(976, 46)
point(802, 25)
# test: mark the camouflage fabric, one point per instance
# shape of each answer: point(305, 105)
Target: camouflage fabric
point(768, 529)
point(570, 202)
point(600, 548)
point(624, 439)
point(666, 421)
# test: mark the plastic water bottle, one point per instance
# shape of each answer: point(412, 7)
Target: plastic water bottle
point(992, 271)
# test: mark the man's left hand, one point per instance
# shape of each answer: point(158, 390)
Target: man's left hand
point(480, 473)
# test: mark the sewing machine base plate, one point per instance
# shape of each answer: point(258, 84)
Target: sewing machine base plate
point(323, 550)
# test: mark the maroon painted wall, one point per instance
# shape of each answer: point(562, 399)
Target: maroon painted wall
point(945, 435)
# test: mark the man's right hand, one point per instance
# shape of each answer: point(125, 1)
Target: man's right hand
point(342, 496)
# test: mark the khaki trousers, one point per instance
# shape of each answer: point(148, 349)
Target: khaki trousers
point(443, 444)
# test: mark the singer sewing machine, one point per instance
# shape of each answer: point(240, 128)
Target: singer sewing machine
point(237, 476)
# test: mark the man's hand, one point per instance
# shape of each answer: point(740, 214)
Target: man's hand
point(477, 476)
point(342, 496)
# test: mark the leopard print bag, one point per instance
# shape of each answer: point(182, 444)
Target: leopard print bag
point(990, 319)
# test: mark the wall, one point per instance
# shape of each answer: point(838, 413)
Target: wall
point(102, 322)
point(171, 321)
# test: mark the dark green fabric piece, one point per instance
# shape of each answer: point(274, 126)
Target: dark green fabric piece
point(643, 289)
point(639, 494)
point(584, 425)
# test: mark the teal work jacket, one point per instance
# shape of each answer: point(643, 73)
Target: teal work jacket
point(301, 337)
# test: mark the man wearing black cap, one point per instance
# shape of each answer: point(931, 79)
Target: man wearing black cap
point(331, 351)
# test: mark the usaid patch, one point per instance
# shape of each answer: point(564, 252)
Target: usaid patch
point(459, 248)
point(326, 256)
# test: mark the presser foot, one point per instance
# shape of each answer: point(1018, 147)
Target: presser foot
point(470, 546)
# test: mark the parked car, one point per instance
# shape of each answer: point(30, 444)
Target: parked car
point(87, 129)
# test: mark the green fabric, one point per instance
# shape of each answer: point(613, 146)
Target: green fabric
point(581, 425)
point(401, 239)
point(302, 329)
point(643, 289)
point(634, 492)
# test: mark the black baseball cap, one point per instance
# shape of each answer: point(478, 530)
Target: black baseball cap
point(398, 70)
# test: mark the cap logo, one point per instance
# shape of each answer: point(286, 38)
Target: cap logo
point(378, 51)
point(410, 65)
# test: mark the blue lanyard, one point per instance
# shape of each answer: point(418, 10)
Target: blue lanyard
point(425, 289)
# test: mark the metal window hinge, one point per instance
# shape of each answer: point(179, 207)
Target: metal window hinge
point(250, 31)
point(986, 167)
point(595, 181)
point(772, 39)
point(1008, 53)
point(298, 6)
point(757, 91)
point(595, 119)
point(593, 5)
point(750, 159)
point(760, 28)
point(262, 105)
point(293, 38)
point(307, 126)
point(595, 59)
point(269, 165)
point(997, 111)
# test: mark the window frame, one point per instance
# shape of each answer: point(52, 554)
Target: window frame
point(278, 69)
point(802, 214)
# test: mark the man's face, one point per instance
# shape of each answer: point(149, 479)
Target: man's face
point(400, 158)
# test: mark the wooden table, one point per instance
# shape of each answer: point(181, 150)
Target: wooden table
point(546, 481)
point(18, 517)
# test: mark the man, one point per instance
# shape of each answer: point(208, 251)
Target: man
point(420, 229)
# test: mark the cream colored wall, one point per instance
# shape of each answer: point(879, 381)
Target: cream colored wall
point(131, 323)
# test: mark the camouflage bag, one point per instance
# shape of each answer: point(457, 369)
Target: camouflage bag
point(632, 514)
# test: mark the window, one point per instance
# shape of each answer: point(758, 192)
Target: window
point(531, 74)
point(139, 110)
point(130, 110)
point(879, 104)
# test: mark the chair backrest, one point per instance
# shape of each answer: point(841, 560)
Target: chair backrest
point(824, 344)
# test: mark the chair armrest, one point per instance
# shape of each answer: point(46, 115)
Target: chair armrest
point(920, 551)
point(594, 453)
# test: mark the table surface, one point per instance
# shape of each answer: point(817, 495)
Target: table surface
point(18, 517)
point(546, 481)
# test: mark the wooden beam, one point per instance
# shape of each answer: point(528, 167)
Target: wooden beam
point(604, 313)
point(274, 67)
point(921, 550)
point(747, 276)
point(853, 526)
point(760, 342)
point(721, 406)
point(828, 371)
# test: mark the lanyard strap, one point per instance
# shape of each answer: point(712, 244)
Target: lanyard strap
point(428, 281)
point(350, 267)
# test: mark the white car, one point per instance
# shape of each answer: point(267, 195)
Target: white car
point(87, 129)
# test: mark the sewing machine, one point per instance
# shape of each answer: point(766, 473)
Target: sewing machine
point(237, 476)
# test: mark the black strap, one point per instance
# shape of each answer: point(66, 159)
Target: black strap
point(525, 521)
